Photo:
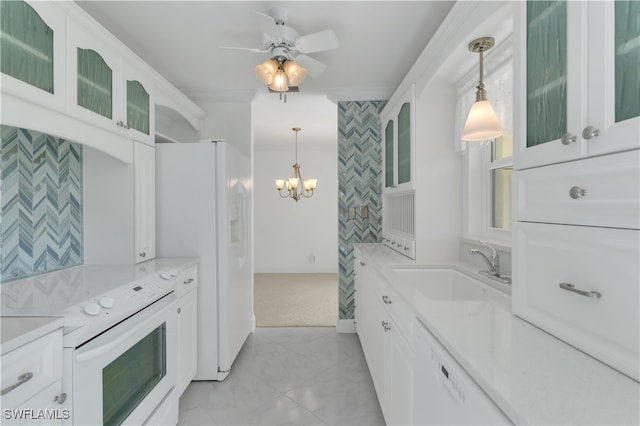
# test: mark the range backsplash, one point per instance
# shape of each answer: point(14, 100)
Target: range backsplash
point(41, 221)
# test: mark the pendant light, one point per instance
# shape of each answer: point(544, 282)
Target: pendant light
point(482, 122)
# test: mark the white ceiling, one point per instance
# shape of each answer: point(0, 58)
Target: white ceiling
point(378, 40)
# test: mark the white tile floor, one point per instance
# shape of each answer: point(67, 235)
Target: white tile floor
point(289, 376)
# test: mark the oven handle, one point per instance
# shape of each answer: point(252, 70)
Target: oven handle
point(150, 313)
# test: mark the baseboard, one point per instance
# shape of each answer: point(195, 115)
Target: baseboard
point(345, 326)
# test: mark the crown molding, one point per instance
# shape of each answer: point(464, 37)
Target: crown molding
point(360, 94)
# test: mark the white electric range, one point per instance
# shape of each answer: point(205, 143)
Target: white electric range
point(119, 336)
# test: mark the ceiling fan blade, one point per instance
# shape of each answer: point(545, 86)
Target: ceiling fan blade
point(313, 66)
point(267, 25)
point(316, 42)
point(250, 49)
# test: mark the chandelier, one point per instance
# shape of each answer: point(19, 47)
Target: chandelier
point(296, 186)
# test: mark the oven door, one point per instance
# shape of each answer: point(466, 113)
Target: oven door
point(121, 376)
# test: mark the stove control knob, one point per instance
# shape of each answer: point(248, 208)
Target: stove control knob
point(107, 302)
point(92, 309)
point(165, 275)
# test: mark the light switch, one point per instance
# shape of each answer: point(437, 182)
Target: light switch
point(351, 213)
point(364, 212)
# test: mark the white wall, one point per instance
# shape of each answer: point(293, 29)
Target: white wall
point(438, 174)
point(289, 233)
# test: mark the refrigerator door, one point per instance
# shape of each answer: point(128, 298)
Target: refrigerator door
point(186, 227)
point(235, 263)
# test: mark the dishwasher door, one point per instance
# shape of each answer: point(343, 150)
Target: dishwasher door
point(444, 393)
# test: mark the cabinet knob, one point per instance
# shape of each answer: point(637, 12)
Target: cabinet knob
point(386, 300)
point(143, 254)
point(385, 326)
point(576, 192)
point(60, 399)
point(362, 263)
point(590, 132)
point(179, 310)
point(568, 138)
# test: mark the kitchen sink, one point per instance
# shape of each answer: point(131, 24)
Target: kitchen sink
point(448, 285)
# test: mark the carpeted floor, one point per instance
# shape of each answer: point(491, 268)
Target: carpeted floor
point(296, 300)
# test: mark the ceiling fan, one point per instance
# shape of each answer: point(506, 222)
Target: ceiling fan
point(289, 63)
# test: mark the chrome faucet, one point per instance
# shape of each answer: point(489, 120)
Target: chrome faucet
point(493, 263)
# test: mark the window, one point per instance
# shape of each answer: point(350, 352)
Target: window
point(488, 165)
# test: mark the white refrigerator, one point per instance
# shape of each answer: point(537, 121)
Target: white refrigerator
point(204, 210)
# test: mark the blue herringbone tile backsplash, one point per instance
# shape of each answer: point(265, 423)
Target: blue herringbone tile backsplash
point(41, 221)
point(359, 184)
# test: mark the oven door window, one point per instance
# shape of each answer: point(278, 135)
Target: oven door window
point(128, 379)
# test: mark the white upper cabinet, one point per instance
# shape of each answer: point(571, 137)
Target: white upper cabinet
point(576, 78)
point(104, 88)
point(398, 136)
point(33, 52)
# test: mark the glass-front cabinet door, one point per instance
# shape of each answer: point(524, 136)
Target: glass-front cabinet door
point(92, 77)
point(138, 112)
point(33, 52)
point(389, 171)
point(404, 144)
point(614, 79)
point(548, 81)
point(577, 72)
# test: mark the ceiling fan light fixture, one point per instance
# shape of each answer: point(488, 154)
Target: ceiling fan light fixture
point(295, 72)
point(266, 71)
point(279, 83)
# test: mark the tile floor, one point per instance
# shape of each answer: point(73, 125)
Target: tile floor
point(289, 376)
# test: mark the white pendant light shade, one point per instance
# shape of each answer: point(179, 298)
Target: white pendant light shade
point(279, 83)
point(482, 123)
point(295, 72)
point(266, 70)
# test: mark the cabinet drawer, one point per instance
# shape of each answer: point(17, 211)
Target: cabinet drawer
point(187, 281)
point(598, 260)
point(611, 187)
point(41, 360)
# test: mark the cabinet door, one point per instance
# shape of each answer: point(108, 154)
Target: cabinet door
point(139, 109)
point(404, 144)
point(549, 81)
point(372, 334)
point(144, 201)
point(33, 52)
point(187, 339)
point(93, 72)
point(47, 400)
point(399, 367)
point(614, 75)
point(389, 169)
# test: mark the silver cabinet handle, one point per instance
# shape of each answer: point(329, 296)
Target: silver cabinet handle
point(386, 326)
point(590, 132)
point(386, 300)
point(568, 138)
point(22, 379)
point(60, 399)
point(573, 289)
point(189, 281)
point(576, 192)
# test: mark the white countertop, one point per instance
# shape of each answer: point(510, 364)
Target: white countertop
point(18, 331)
point(50, 294)
point(32, 307)
point(532, 376)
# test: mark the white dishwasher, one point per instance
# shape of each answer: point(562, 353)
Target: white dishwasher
point(444, 393)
